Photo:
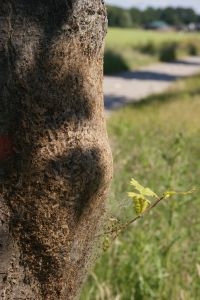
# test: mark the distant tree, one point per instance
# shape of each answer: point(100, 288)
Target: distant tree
point(114, 14)
point(150, 14)
point(119, 17)
point(170, 16)
point(125, 19)
point(187, 15)
point(134, 17)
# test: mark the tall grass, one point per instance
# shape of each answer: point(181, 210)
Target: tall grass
point(157, 142)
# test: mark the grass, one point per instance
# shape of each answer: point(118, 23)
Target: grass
point(157, 142)
point(136, 48)
point(119, 37)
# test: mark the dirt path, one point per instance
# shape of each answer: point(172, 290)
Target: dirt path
point(132, 86)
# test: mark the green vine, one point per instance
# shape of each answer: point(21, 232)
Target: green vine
point(141, 198)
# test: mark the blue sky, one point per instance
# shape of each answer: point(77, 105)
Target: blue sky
point(156, 3)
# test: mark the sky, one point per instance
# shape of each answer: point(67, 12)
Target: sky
point(195, 4)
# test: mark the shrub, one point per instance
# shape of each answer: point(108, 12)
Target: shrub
point(168, 52)
point(192, 49)
point(114, 62)
point(148, 48)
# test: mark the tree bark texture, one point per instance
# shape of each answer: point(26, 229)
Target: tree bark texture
point(55, 161)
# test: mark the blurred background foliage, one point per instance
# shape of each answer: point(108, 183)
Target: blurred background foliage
point(134, 17)
point(157, 142)
point(130, 45)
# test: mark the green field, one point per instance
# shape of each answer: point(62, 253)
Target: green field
point(130, 48)
point(120, 38)
point(157, 142)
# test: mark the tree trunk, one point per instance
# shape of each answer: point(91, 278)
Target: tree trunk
point(55, 161)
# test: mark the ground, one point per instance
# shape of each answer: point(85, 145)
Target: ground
point(132, 86)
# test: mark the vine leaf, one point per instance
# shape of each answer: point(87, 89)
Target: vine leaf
point(140, 199)
point(143, 190)
point(106, 244)
point(141, 204)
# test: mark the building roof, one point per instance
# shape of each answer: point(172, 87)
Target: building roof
point(158, 24)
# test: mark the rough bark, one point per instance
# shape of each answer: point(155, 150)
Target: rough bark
point(55, 161)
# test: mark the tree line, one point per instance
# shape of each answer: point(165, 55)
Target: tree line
point(134, 17)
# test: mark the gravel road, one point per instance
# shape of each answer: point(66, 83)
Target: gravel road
point(133, 86)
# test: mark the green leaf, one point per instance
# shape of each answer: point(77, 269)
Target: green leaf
point(141, 204)
point(134, 195)
point(142, 190)
point(106, 244)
